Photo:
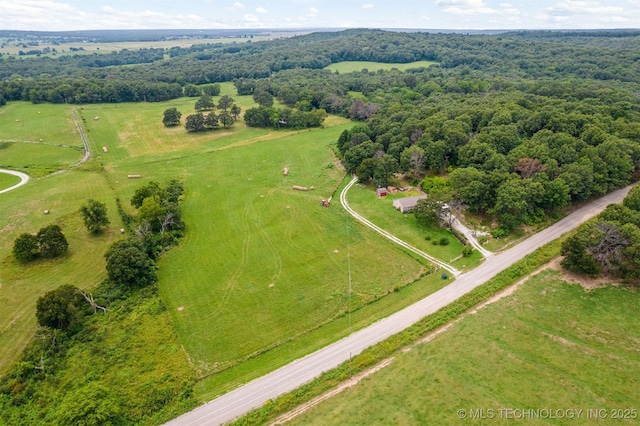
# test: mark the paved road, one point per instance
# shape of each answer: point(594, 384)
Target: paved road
point(255, 393)
point(345, 204)
point(23, 179)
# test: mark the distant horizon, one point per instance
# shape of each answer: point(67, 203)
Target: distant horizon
point(457, 15)
point(315, 29)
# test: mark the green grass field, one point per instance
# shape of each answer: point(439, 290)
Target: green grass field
point(357, 66)
point(21, 211)
point(380, 211)
point(7, 180)
point(261, 277)
point(26, 122)
point(550, 345)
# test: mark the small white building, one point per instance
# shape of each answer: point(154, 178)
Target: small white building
point(405, 205)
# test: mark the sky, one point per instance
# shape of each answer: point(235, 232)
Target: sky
point(64, 15)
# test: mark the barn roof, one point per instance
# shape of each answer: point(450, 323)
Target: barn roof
point(408, 202)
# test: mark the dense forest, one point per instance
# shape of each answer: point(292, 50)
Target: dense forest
point(523, 123)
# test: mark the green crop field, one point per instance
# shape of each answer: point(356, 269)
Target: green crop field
point(357, 66)
point(7, 180)
point(363, 199)
point(550, 345)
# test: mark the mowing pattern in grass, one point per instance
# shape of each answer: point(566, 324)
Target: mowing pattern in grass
point(83, 266)
point(550, 345)
point(356, 66)
point(263, 263)
point(24, 121)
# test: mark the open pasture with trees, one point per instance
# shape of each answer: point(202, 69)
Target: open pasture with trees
point(261, 265)
point(518, 128)
point(550, 344)
point(21, 211)
point(355, 66)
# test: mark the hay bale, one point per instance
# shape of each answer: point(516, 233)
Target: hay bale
point(104, 149)
point(41, 140)
point(17, 119)
point(96, 118)
point(134, 176)
point(285, 171)
point(46, 212)
point(311, 188)
point(122, 230)
point(300, 188)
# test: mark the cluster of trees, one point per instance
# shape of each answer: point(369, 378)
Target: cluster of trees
point(229, 113)
point(48, 243)
point(130, 263)
point(518, 153)
point(283, 118)
point(610, 243)
point(606, 57)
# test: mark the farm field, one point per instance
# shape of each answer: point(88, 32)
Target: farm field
point(261, 264)
point(262, 276)
point(549, 345)
point(356, 66)
point(363, 199)
point(21, 211)
point(103, 47)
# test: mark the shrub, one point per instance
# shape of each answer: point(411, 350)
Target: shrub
point(444, 241)
point(25, 248)
point(52, 241)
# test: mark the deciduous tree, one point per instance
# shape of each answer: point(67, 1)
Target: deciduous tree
point(129, 265)
point(94, 216)
point(171, 117)
point(25, 248)
point(52, 241)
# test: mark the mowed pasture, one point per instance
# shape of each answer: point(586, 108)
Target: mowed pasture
point(7, 181)
point(22, 211)
point(550, 345)
point(48, 123)
point(357, 66)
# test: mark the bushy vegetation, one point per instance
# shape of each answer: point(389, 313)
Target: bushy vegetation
point(71, 335)
point(610, 243)
point(49, 242)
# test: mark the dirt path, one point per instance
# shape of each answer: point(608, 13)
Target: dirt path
point(366, 222)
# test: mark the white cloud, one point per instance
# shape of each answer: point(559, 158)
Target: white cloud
point(57, 16)
point(313, 11)
point(367, 6)
point(262, 10)
point(466, 7)
point(239, 5)
point(577, 7)
point(251, 18)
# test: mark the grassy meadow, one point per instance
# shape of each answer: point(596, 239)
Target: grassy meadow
point(7, 180)
point(549, 345)
point(262, 275)
point(357, 66)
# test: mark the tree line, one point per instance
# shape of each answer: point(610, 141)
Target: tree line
point(509, 55)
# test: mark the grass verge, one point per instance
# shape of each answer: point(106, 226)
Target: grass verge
point(386, 348)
